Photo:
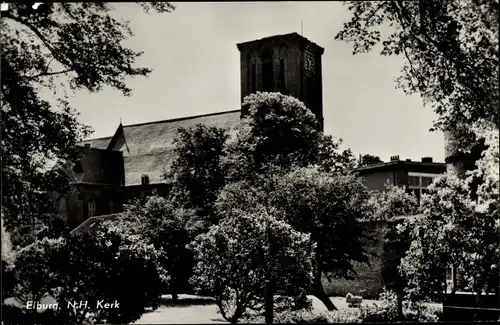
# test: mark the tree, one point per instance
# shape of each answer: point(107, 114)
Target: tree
point(168, 229)
point(394, 202)
point(450, 50)
point(246, 251)
point(326, 206)
point(80, 43)
point(394, 206)
point(113, 263)
point(35, 269)
point(329, 207)
point(197, 173)
point(458, 229)
point(278, 131)
point(370, 160)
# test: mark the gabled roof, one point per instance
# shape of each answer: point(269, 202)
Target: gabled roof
point(148, 147)
point(94, 223)
point(98, 143)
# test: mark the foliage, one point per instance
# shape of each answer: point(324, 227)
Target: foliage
point(112, 263)
point(75, 44)
point(279, 131)
point(488, 171)
point(35, 270)
point(327, 206)
point(370, 160)
point(196, 172)
point(315, 202)
point(396, 243)
point(167, 228)
point(394, 202)
point(348, 315)
point(453, 231)
point(301, 316)
point(387, 311)
point(450, 50)
point(8, 276)
point(236, 258)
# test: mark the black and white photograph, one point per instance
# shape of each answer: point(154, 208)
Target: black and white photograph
point(250, 162)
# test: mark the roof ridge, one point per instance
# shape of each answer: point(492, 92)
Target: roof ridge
point(184, 118)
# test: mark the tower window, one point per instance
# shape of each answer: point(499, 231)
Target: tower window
point(145, 180)
point(253, 76)
point(267, 70)
point(282, 76)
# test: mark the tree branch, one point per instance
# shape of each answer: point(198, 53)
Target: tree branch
point(374, 12)
point(44, 74)
point(35, 30)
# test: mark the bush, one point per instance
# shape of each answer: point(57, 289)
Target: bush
point(111, 264)
point(349, 315)
point(387, 311)
point(301, 316)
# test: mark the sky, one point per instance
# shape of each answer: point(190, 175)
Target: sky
point(196, 70)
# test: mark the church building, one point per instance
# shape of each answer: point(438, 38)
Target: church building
point(131, 163)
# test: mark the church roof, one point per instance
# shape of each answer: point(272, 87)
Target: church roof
point(148, 147)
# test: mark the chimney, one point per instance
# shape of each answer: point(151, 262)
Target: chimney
point(408, 159)
point(394, 158)
point(427, 159)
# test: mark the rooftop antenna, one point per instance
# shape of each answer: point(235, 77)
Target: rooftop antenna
point(120, 120)
point(301, 27)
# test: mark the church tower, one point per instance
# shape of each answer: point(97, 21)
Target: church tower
point(289, 64)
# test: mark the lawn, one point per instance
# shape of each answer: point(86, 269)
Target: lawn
point(196, 310)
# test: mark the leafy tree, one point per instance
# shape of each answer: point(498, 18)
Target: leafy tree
point(278, 131)
point(450, 50)
point(246, 251)
point(370, 160)
point(315, 202)
point(35, 269)
point(458, 229)
point(113, 263)
point(394, 206)
point(196, 172)
point(394, 202)
point(75, 44)
point(169, 230)
point(329, 207)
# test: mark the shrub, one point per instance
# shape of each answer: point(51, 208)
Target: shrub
point(387, 311)
point(348, 315)
point(111, 264)
point(300, 316)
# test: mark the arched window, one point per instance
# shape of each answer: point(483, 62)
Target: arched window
point(267, 70)
point(252, 73)
point(282, 76)
point(144, 180)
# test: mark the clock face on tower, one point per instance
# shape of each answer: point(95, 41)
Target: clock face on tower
point(309, 62)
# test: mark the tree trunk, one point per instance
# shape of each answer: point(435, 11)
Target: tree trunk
point(175, 297)
point(400, 307)
point(319, 293)
point(269, 302)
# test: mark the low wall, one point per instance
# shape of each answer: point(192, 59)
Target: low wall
point(464, 306)
point(368, 283)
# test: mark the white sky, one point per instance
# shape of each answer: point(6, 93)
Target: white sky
point(195, 63)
